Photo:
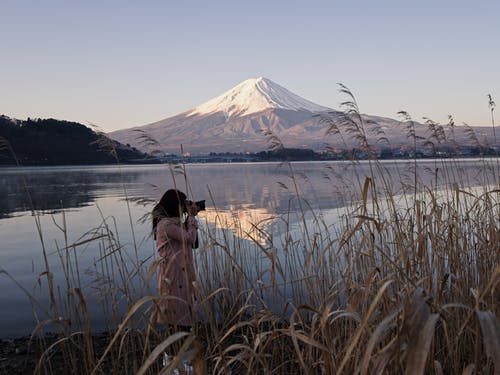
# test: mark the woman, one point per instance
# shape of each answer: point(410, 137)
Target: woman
point(175, 274)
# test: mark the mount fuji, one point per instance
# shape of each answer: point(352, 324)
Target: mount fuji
point(237, 121)
point(256, 95)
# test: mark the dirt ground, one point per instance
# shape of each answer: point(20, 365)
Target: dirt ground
point(16, 356)
point(21, 355)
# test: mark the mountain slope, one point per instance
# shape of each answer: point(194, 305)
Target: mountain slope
point(239, 119)
point(56, 142)
point(236, 121)
point(256, 95)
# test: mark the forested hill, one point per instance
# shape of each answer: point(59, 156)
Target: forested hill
point(56, 142)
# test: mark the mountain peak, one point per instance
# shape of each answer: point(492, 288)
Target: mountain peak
point(255, 95)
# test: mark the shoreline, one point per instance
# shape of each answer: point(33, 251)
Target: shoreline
point(21, 355)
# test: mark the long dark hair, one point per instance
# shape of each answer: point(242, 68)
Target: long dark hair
point(171, 204)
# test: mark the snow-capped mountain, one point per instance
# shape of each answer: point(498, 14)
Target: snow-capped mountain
point(237, 121)
point(256, 95)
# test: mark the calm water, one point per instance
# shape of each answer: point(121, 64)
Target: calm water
point(80, 198)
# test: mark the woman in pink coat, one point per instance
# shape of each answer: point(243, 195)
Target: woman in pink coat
point(175, 238)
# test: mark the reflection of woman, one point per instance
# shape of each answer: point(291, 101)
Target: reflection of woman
point(175, 273)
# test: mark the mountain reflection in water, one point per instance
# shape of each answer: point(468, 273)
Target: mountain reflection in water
point(52, 189)
point(244, 221)
point(248, 199)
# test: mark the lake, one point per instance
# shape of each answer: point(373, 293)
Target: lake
point(47, 209)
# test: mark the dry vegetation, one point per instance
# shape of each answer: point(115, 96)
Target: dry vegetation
point(406, 281)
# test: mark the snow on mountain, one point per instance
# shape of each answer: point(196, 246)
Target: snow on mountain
point(256, 95)
point(253, 115)
point(239, 119)
point(236, 121)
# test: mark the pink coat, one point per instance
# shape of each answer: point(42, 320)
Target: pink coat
point(175, 273)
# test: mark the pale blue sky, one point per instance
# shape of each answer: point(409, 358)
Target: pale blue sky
point(118, 64)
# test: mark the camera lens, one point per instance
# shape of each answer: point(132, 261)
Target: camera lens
point(200, 205)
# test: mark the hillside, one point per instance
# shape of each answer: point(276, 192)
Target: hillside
point(238, 120)
point(56, 142)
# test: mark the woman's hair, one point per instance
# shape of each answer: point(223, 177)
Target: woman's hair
point(171, 205)
point(172, 202)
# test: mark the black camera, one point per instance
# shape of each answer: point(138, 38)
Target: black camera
point(200, 204)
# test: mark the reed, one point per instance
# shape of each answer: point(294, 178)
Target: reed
point(405, 280)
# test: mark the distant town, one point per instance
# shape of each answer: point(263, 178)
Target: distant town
point(297, 154)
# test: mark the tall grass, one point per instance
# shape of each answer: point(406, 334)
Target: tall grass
point(405, 280)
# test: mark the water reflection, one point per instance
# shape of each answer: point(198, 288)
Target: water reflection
point(50, 190)
point(247, 200)
point(271, 186)
point(245, 221)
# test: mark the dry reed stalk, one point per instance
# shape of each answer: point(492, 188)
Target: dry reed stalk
point(400, 284)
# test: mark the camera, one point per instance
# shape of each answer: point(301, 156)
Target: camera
point(199, 204)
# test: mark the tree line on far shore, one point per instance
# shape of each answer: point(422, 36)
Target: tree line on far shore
point(57, 142)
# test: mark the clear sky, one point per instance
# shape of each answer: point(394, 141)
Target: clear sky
point(118, 64)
